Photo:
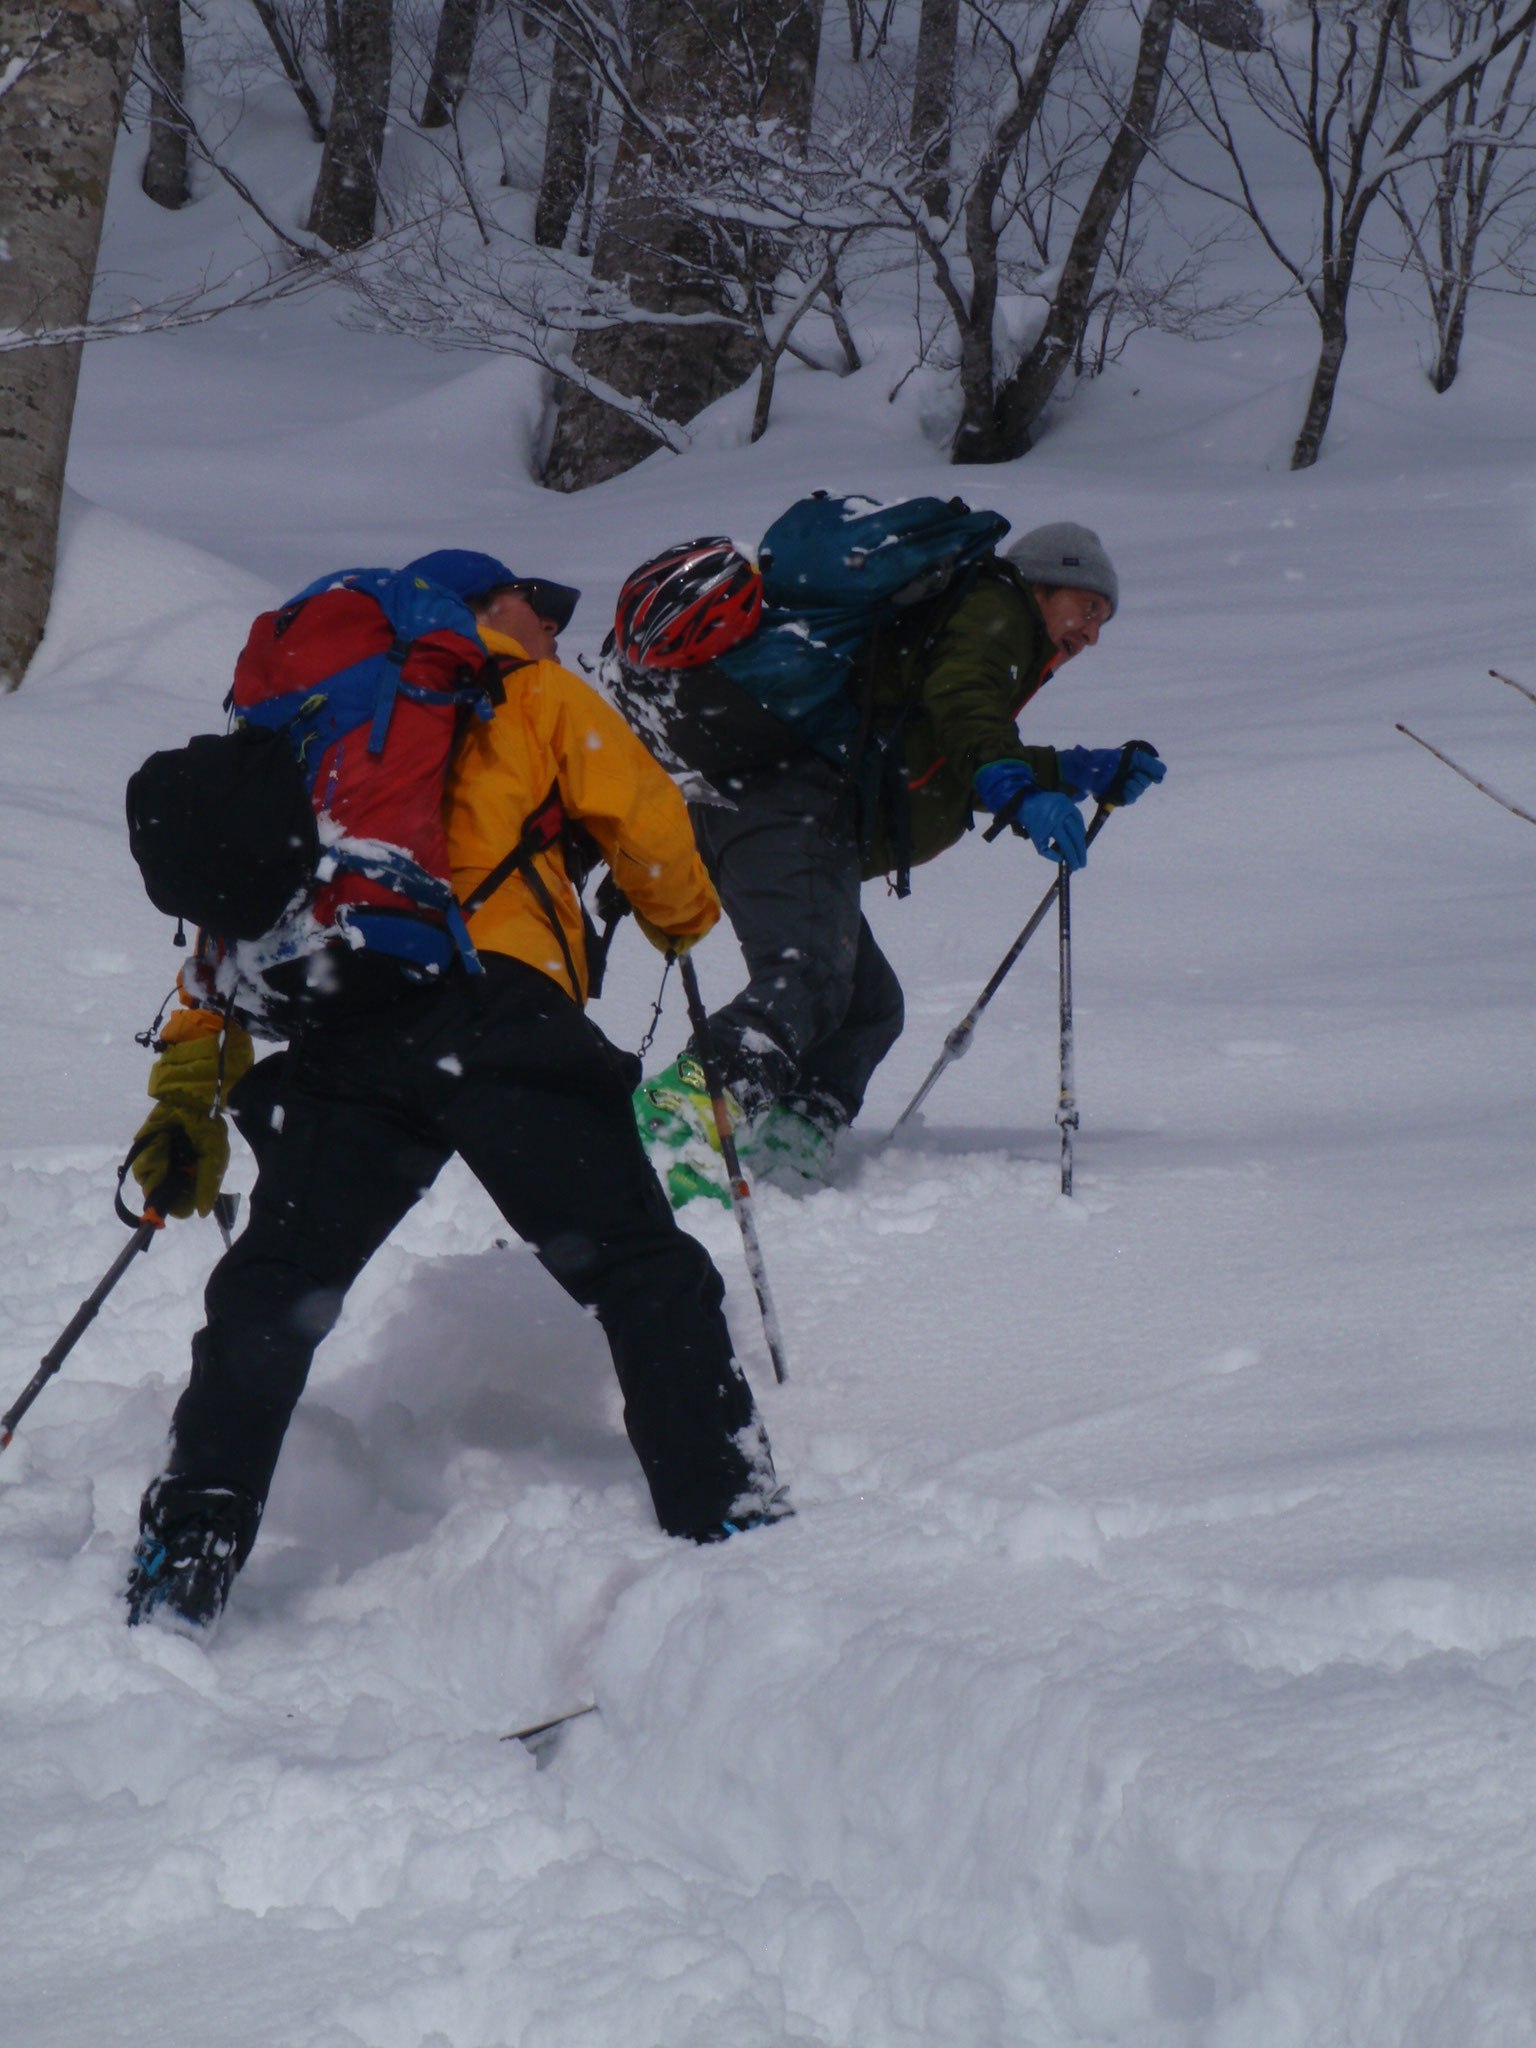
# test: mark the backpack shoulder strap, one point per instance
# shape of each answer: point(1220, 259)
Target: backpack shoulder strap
point(541, 831)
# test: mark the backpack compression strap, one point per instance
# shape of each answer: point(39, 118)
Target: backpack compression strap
point(407, 877)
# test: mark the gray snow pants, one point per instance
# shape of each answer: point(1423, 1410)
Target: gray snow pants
point(822, 1006)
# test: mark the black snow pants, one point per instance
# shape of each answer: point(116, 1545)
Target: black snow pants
point(822, 1006)
point(354, 1122)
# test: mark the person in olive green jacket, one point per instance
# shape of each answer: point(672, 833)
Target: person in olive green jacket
point(949, 685)
point(822, 1005)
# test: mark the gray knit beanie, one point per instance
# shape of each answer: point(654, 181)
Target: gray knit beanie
point(1069, 556)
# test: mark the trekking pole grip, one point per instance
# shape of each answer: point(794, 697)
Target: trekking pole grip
point(1008, 815)
point(1114, 796)
point(1111, 800)
point(181, 1172)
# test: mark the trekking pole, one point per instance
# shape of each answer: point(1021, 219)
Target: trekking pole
point(78, 1324)
point(1066, 1098)
point(156, 1210)
point(958, 1042)
point(741, 1194)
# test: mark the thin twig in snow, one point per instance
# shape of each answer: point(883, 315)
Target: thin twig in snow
point(1462, 772)
point(1531, 694)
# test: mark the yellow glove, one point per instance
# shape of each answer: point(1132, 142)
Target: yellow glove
point(188, 1184)
point(185, 1081)
point(666, 942)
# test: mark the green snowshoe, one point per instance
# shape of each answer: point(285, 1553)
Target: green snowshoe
point(677, 1129)
point(787, 1147)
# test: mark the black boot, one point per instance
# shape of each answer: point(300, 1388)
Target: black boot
point(775, 1509)
point(192, 1541)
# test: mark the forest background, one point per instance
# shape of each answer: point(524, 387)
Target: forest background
point(658, 203)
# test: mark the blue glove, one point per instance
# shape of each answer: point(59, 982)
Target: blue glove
point(1044, 814)
point(1088, 771)
point(1000, 781)
point(1091, 771)
point(1055, 827)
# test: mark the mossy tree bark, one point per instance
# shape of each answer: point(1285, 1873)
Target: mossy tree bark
point(68, 64)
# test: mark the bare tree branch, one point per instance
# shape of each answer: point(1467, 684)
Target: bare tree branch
point(1467, 776)
point(1527, 693)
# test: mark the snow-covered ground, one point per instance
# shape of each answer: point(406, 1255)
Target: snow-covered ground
point(1153, 1660)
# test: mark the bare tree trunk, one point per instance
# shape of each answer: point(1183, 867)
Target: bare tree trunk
point(1025, 395)
point(1466, 173)
point(852, 360)
point(694, 65)
point(1452, 334)
point(1325, 379)
point(1441, 286)
point(977, 439)
point(450, 61)
point(570, 134)
point(856, 29)
point(933, 95)
point(165, 167)
point(293, 69)
point(58, 122)
point(347, 189)
point(973, 310)
point(768, 370)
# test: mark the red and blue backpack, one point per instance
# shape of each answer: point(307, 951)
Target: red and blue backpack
point(365, 674)
point(316, 821)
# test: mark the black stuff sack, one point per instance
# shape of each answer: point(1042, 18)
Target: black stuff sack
point(223, 831)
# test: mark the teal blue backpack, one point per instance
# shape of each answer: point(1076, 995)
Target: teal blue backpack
point(833, 570)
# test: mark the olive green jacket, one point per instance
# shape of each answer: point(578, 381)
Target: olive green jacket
point(960, 673)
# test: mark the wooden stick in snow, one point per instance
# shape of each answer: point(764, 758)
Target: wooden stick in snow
point(1504, 800)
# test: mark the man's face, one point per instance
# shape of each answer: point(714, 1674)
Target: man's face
point(1072, 618)
point(510, 612)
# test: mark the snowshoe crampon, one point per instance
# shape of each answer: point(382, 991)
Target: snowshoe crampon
point(677, 1128)
point(785, 1146)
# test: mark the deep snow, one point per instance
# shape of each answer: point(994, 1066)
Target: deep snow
point(1153, 1660)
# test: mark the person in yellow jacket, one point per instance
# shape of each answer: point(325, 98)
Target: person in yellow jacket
point(355, 1119)
point(553, 754)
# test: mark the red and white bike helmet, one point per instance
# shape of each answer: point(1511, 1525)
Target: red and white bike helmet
point(687, 604)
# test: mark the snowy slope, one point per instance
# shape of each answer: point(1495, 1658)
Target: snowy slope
point(1153, 1660)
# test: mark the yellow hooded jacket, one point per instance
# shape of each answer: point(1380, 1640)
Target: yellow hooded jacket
point(555, 733)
